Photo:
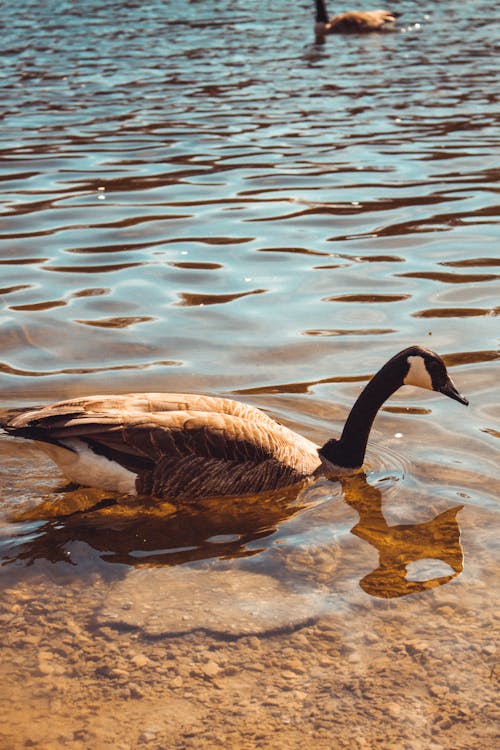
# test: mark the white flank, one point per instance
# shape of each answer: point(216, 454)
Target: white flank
point(82, 466)
point(418, 373)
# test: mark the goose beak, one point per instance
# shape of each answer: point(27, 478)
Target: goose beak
point(450, 390)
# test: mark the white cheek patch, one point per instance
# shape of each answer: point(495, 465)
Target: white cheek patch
point(418, 374)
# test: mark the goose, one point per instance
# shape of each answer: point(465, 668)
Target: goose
point(185, 446)
point(351, 22)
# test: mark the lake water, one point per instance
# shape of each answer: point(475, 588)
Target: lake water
point(199, 198)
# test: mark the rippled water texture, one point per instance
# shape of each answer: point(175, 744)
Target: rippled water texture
point(197, 197)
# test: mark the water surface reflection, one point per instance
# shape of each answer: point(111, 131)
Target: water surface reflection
point(133, 533)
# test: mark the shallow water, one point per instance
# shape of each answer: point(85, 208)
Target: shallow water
point(200, 198)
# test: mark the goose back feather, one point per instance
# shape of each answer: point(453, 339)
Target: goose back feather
point(176, 445)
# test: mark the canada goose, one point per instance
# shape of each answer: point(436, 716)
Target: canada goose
point(352, 22)
point(174, 445)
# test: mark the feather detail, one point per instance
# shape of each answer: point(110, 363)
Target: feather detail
point(177, 445)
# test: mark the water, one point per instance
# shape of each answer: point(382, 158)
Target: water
point(199, 198)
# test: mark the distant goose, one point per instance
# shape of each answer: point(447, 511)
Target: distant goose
point(174, 445)
point(352, 22)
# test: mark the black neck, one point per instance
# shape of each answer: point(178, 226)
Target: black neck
point(349, 450)
point(321, 14)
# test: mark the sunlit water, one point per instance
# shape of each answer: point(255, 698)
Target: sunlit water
point(198, 198)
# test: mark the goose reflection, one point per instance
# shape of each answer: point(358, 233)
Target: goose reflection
point(160, 534)
point(153, 533)
point(402, 545)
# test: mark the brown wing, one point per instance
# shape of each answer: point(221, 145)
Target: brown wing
point(175, 449)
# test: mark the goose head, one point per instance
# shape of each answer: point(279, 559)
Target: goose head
point(412, 366)
point(426, 369)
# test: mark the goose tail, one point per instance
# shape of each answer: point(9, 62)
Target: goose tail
point(7, 416)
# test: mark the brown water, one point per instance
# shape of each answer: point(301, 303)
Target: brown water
point(198, 198)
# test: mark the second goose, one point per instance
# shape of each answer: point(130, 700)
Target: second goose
point(351, 22)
